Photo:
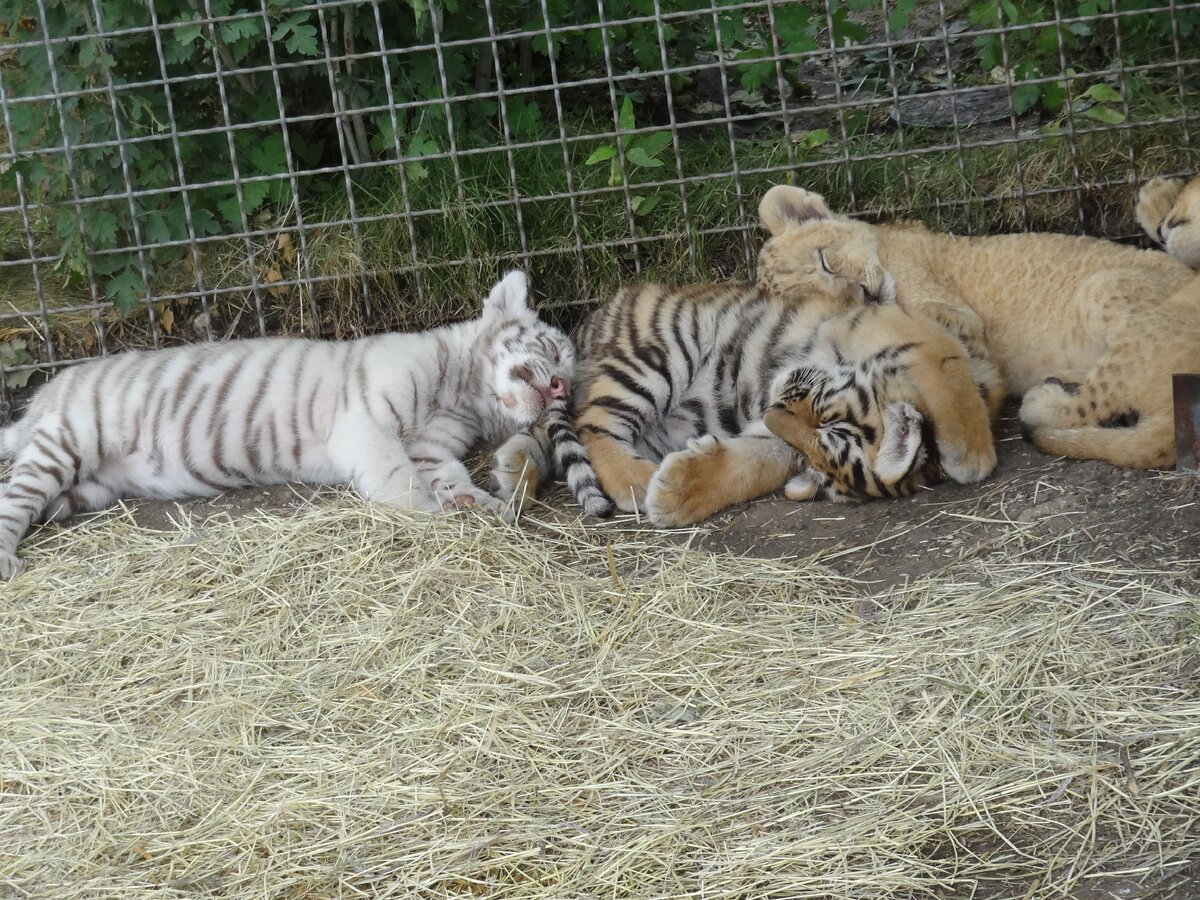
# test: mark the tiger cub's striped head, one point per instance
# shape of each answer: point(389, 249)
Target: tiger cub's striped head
point(813, 254)
point(532, 363)
point(852, 448)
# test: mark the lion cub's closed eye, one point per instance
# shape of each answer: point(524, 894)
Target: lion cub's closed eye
point(829, 258)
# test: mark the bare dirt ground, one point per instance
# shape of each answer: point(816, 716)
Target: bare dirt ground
point(1068, 509)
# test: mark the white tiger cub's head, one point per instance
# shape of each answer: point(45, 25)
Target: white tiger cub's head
point(814, 254)
point(532, 363)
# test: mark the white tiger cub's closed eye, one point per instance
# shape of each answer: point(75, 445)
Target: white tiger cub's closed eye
point(393, 415)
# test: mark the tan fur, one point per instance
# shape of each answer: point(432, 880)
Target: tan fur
point(713, 473)
point(1081, 327)
point(1169, 211)
point(716, 473)
point(960, 395)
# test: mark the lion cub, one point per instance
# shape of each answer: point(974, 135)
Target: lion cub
point(1088, 332)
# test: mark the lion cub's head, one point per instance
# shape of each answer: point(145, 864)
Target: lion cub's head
point(814, 254)
point(1169, 210)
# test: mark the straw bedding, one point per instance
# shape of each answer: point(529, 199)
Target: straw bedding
point(351, 702)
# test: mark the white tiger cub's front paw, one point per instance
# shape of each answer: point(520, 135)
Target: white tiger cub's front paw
point(456, 496)
point(10, 565)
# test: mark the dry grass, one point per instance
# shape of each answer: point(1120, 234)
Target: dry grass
point(348, 702)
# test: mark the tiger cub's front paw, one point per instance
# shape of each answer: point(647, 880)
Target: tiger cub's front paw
point(686, 488)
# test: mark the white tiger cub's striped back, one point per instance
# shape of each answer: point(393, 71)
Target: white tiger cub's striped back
point(392, 415)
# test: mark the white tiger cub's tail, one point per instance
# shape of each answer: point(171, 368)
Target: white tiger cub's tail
point(571, 460)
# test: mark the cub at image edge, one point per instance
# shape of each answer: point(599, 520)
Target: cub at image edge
point(1087, 332)
point(393, 415)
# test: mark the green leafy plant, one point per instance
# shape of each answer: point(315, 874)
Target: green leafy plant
point(640, 151)
point(1034, 45)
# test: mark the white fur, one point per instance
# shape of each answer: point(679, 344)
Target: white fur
point(392, 415)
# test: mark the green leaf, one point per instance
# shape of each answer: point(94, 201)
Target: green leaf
point(204, 223)
point(269, 156)
point(654, 144)
point(1106, 114)
point(1025, 97)
point(643, 205)
point(625, 120)
point(600, 154)
point(101, 227)
point(125, 290)
point(639, 157)
point(1053, 96)
point(156, 230)
point(297, 35)
point(814, 139)
point(1102, 93)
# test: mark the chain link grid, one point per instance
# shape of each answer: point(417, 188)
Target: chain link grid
point(379, 204)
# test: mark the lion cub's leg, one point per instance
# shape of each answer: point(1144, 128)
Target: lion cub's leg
point(715, 473)
point(945, 382)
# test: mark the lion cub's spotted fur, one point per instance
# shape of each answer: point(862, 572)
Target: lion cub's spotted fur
point(1088, 332)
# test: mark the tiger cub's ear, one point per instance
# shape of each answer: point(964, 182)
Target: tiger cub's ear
point(510, 296)
point(902, 448)
point(785, 207)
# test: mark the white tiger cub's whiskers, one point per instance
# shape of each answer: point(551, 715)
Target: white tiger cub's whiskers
point(393, 415)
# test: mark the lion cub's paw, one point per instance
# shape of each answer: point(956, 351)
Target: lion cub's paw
point(685, 488)
point(1154, 201)
point(1050, 404)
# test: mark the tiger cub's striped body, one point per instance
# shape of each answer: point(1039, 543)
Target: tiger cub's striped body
point(393, 415)
point(674, 386)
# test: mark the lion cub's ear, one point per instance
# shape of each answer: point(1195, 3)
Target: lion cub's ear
point(785, 207)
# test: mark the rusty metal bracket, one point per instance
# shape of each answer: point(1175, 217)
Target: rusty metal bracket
point(1187, 422)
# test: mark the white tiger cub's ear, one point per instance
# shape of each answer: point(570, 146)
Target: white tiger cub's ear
point(784, 207)
point(902, 448)
point(510, 296)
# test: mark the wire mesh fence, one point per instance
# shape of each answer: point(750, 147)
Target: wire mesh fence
point(178, 170)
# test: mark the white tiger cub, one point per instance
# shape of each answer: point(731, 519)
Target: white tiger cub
point(393, 415)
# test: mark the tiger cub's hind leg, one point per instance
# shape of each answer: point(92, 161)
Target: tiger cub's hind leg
point(83, 497)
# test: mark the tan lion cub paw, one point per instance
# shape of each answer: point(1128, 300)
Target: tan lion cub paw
point(970, 464)
point(1050, 404)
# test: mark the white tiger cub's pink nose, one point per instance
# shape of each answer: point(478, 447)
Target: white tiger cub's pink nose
point(558, 388)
